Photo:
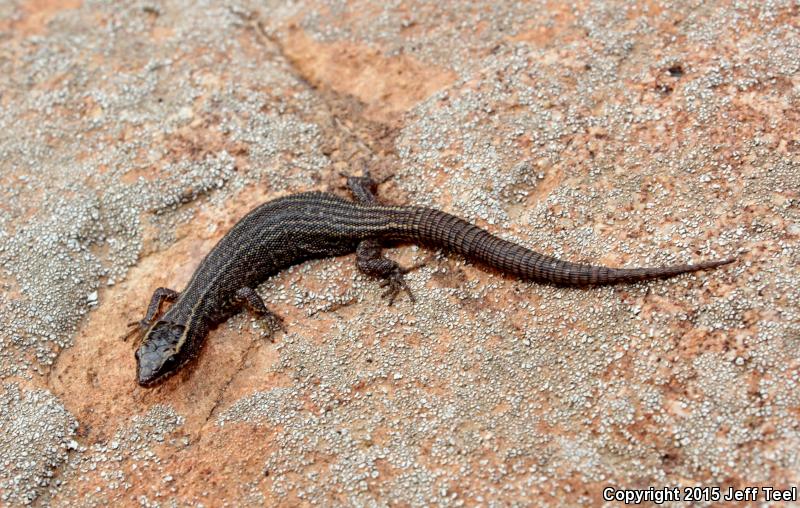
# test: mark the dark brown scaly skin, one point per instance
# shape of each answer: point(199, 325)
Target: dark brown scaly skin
point(293, 229)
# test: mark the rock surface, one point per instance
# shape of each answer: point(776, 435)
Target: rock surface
point(625, 132)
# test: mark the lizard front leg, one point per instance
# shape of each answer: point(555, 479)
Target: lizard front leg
point(160, 295)
point(248, 298)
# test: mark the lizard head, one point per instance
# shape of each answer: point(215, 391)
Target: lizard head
point(159, 354)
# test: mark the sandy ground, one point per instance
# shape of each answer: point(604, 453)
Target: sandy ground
point(133, 135)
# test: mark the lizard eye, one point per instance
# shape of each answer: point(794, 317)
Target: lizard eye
point(169, 363)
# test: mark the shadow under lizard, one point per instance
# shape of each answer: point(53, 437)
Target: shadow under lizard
point(289, 230)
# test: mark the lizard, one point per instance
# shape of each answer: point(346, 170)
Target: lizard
point(290, 230)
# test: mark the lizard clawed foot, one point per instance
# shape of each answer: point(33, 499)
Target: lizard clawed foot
point(160, 295)
point(365, 181)
point(269, 324)
point(248, 297)
point(274, 323)
point(135, 326)
point(371, 261)
point(365, 178)
point(395, 283)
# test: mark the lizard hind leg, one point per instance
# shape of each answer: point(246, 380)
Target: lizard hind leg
point(364, 188)
point(248, 298)
point(371, 261)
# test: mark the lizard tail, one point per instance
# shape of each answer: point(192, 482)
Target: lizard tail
point(441, 229)
point(577, 274)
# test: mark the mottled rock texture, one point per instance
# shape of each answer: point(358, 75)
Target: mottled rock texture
point(134, 134)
